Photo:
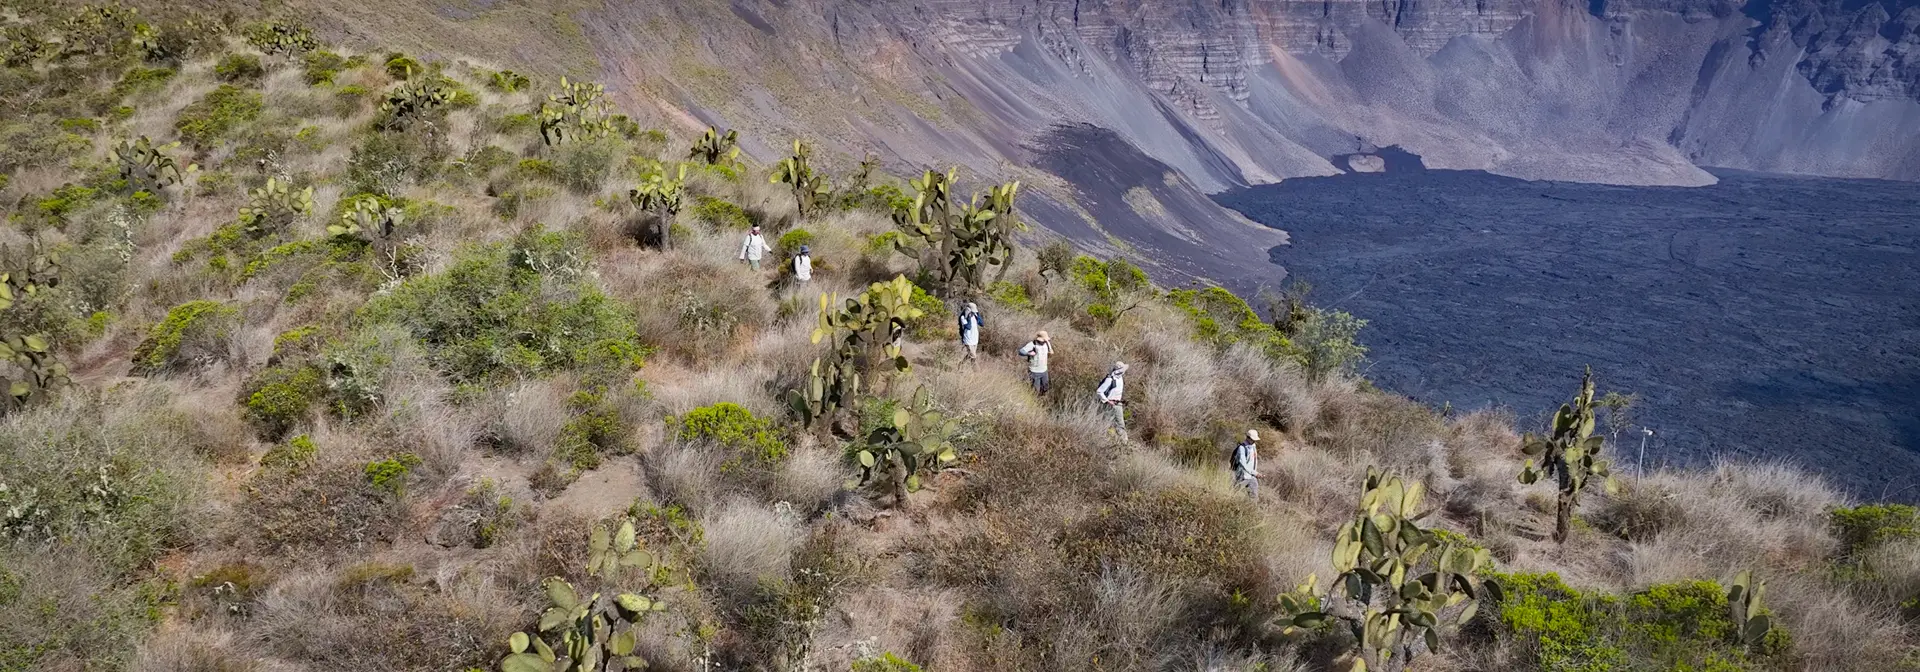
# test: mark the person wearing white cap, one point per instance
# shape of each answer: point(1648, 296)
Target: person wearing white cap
point(970, 324)
point(1246, 464)
point(1109, 393)
point(1036, 352)
point(753, 248)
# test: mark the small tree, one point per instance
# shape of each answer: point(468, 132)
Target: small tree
point(1324, 342)
point(810, 187)
point(867, 334)
point(1394, 592)
point(580, 110)
point(716, 149)
point(1570, 454)
point(659, 193)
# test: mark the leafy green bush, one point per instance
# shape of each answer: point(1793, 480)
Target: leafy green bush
point(1010, 294)
point(508, 309)
point(1324, 342)
point(239, 69)
point(721, 212)
point(391, 473)
point(733, 426)
point(1864, 527)
point(595, 430)
point(790, 242)
point(402, 66)
point(584, 167)
point(192, 332)
point(296, 454)
point(886, 662)
point(139, 80)
point(1220, 318)
point(1679, 626)
point(282, 397)
point(216, 115)
point(322, 66)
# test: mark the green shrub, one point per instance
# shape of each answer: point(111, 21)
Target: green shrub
point(1677, 626)
point(934, 317)
point(1010, 294)
point(391, 473)
point(139, 80)
point(322, 66)
point(584, 167)
point(282, 397)
point(239, 69)
point(216, 115)
point(1863, 528)
point(507, 310)
point(885, 662)
point(65, 199)
point(790, 242)
point(192, 332)
point(721, 212)
point(1221, 319)
point(595, 430)
point(79, 125)
point(296, 454)
point(402, 66)
point(733, 426)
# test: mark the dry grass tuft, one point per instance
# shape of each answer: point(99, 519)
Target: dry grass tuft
point(748, 544)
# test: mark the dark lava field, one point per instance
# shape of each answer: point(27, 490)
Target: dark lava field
point(1767, 317)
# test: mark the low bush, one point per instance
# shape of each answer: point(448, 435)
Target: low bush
point(390, 474)
point(1681, 626)
point(722, 213)
point(508, 310)
point(790, 243)
point(732, 426)
point(1180, 532)
point(296, 454)
point(327, 509)
point(215, 116)
point(595, 430)
point(282, 397)
point(1863, 528)
point(239, 69)
point(321, 66)
point(193, 333)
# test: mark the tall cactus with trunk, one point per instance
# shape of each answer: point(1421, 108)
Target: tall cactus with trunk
point(1570, 454)
point(1399, 585)
point(579, 111)
point(658, 194)
point(147, 167)
point(413, 102)
point(916, 439)
point(810, 187)
point(595, 632)
point(28, 368)
point(955, 240)
point(867, 334)
point(716, 149)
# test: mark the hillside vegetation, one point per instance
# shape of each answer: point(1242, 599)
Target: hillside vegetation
point(321, 360)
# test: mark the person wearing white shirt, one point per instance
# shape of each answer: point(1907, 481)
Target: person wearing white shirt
point(1246, 464)
point(753, 248)
point(1036, 352)
point(803, 264)
point(1109, 393)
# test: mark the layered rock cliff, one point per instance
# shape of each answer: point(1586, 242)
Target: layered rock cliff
point(1221, 93)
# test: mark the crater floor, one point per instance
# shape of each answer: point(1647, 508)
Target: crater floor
point(1767, 316)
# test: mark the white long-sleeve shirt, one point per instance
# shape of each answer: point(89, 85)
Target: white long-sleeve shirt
point(1246, 461)
point(1111, 388)
point(754, 247)
point(803, 267)
point(1036, 354)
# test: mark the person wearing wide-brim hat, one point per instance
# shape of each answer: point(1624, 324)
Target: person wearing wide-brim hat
point(970, 325)
point(1036, 351)
point(1246, 464)
point(1110, 391)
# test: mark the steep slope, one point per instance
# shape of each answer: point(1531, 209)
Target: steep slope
point(1235, 93)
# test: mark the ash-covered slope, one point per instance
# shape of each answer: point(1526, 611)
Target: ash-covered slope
point(1235, 92)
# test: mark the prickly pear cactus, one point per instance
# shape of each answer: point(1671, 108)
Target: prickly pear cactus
point(275, 205)
point(28, 368)
point(867, 334)
point(658, 193)
point(414, 102)
point(1399, 585)
point(953, 240)
point(810, 188)
point(367, 215)
point(716, 149)
point(1752, 621)
point(917, 439)
point(594, 632)
point(1569, 453)
point(147, 167)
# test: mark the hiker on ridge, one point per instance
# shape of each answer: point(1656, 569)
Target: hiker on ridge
point(1246, 464)
point(1036, 352)
point(1109, 393)
point(970, 325)
point(753, 248)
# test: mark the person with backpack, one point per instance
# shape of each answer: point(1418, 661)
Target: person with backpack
point(1036, 351)
point(753, 248)
point(1109, 393)
point(803, 265)
point(970, 325)
point(1246, 464)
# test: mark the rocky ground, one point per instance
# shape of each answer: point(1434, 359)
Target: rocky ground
point(1764, 317)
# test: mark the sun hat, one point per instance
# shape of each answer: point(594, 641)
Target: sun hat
point(1253, 435)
